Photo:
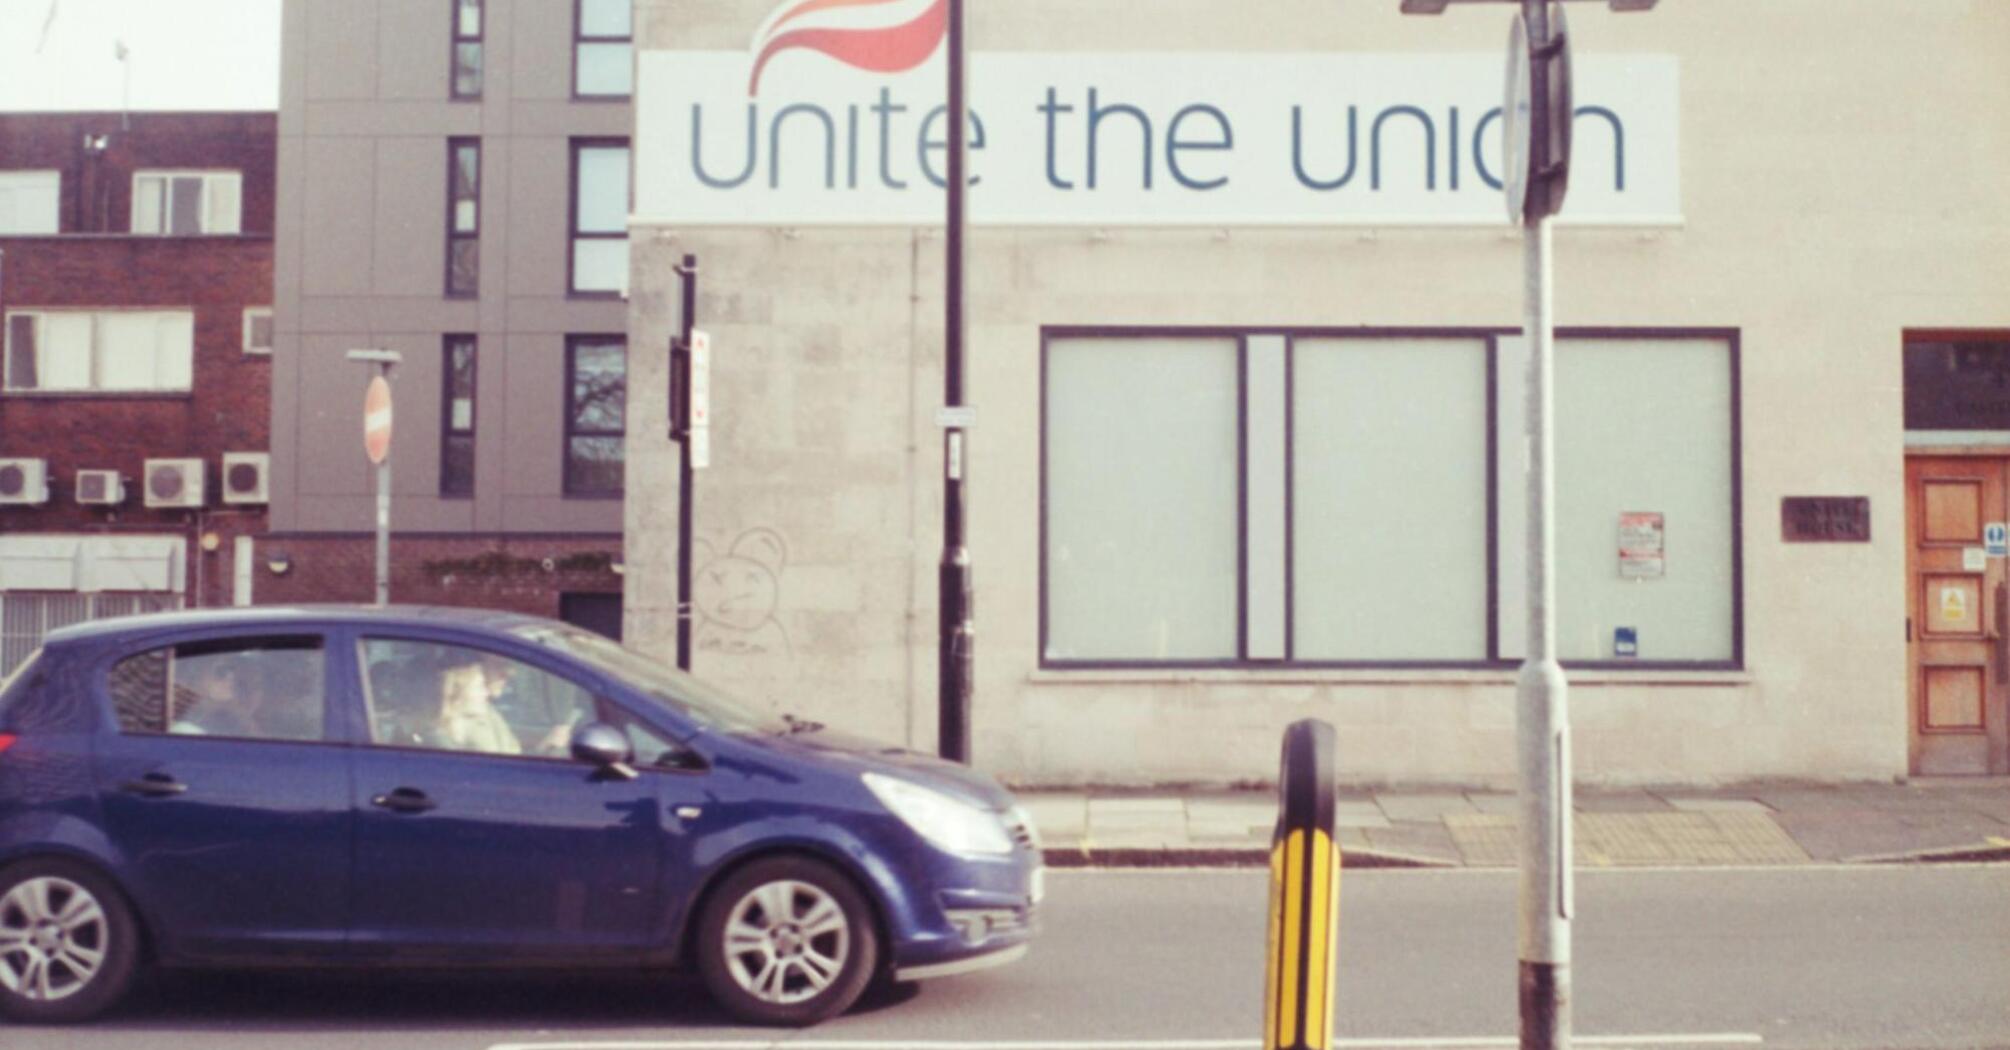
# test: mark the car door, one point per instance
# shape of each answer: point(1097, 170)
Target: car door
point(477, 836)
point(225, 786)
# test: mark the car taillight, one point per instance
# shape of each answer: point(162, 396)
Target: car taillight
point(7, 740)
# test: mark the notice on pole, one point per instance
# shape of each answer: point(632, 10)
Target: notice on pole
point(1642, 545)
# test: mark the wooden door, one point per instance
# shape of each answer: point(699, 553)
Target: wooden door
point(1956, 612)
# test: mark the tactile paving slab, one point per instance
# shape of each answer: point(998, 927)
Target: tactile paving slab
point(1622, 839)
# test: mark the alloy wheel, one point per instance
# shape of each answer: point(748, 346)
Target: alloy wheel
point(54, 937)
point(786, 941)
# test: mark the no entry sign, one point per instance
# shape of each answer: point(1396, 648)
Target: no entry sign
point(377, 420)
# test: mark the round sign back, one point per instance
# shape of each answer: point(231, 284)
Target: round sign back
point(1515, 121)
point(377, 420)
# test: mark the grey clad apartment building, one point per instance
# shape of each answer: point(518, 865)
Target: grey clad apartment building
point(453, 185)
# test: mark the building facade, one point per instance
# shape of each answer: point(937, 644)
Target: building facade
point(136, 287)
point(1245, 359)
point(453, 180)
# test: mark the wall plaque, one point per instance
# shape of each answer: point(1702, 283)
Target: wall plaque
point(1825, 519)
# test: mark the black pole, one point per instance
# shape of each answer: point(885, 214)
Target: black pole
point(680, 426)
point(958, 633)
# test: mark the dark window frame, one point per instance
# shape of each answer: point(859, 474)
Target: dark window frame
point(456, 237)
point(573, 233)
point(579, 38)
point(457, 39)
point(311, 640)
point(572, 487)
point(1731, 338)
point(449, 344)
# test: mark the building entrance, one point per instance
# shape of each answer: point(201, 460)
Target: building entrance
point(1957, 614)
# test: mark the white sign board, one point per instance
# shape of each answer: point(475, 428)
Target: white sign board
point(1147, 138)
point(701, 379)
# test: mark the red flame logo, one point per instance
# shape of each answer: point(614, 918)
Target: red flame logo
point(882, 49)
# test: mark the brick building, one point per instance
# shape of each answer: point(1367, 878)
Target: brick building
point(136, 287)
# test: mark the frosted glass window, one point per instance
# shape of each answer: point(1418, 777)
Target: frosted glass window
point(602, 64)
point(65, 362)
point(113, 350)
point(1389, 499)
point(600, 265)
point(127, 347)
point(222, 211)
point(1142, 518)
point(605, 18)
point(603, 190)
point(1643, 427)
point(182, 204)
point(604, 69)
point(29, 201)
point(599, 217)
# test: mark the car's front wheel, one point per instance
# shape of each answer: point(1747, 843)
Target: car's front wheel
point(786, 941)
point(68, 943)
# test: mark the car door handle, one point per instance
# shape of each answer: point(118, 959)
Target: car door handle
point(155, 785)
point(405, 800)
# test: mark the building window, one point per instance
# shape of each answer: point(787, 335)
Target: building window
point(464, 192)
point(30, 202)
point(258, 329)
point(99, 351)
point(26, 617)
point(602, 64)
point(457, 417)
point(186, 203)
point(599, 210)
point(596, 381)
point(1348, 498)
point(467, 56)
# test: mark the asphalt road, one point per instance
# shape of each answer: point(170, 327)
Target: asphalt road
point(1835, 958)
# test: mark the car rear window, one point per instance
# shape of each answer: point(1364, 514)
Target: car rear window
point(248, 688)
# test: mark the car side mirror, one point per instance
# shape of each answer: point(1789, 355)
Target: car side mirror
point(602, 745)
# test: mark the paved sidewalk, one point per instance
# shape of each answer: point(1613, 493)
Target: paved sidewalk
point(1759, 824)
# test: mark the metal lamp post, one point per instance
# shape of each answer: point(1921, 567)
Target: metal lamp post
point(957, 630)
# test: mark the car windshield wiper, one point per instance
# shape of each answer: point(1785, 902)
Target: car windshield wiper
point(800, 725)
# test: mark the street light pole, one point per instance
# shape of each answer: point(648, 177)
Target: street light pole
point(955, 657)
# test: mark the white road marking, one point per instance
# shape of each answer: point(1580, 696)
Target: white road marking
point(1698, 1039)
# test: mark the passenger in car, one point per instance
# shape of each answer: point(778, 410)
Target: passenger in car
point(225, 700)
point(467, 721)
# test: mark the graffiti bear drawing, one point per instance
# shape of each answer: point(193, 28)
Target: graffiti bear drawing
point(738, 593)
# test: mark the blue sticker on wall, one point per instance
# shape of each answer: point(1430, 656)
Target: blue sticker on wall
point(1625, 641)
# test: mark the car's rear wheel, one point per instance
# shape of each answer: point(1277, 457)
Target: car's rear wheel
point(787, 941)
point(68, 943)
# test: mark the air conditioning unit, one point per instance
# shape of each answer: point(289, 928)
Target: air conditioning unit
point(247, 477)
point(100, 486)
point(173, 483)
point(24, 482)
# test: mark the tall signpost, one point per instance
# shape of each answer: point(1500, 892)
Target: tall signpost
point(1536, 126)
point(377, 446)
point(1537, 116)
point(955, 657)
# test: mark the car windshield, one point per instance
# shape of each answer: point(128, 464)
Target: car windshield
point(682, 693)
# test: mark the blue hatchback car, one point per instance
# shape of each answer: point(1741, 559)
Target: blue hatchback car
point(460, 788)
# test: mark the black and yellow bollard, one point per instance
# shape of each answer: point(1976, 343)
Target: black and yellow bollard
point(1304, 895)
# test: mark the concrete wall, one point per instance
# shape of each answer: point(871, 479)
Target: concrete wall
point(1841, 174)
point(364, 123)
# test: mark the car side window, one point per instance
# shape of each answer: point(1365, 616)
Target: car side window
point(245, 688)
point(458, 698)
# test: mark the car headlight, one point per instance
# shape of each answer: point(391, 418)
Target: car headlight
point(953, 825)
